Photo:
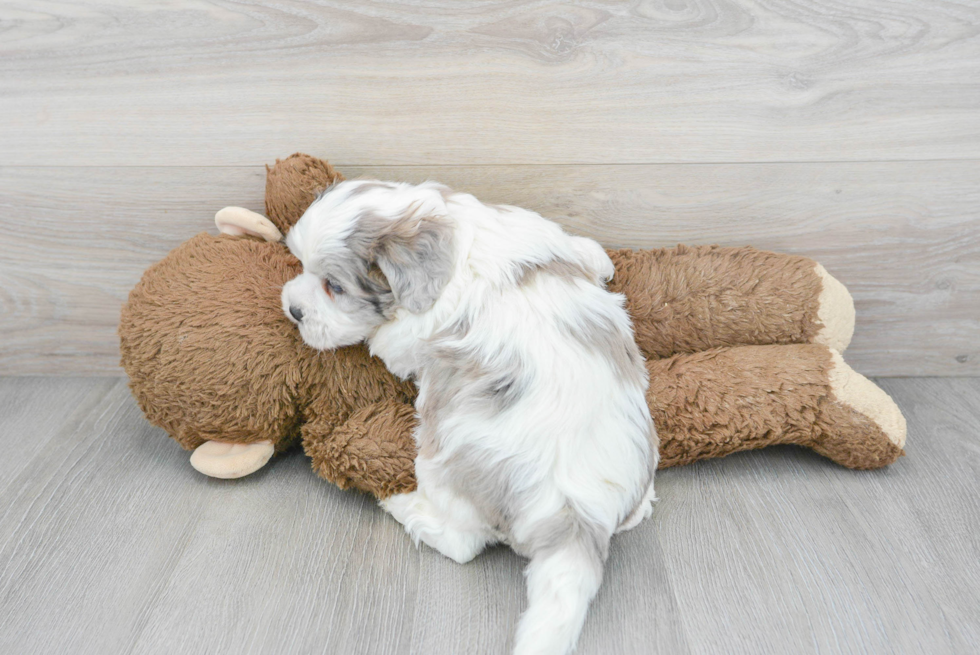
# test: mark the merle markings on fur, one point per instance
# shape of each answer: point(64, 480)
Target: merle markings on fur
point(533, 426)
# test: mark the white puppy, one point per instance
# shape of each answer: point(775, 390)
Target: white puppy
point(533, 426)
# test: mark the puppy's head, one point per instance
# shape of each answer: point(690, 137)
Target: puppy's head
point(368, 248)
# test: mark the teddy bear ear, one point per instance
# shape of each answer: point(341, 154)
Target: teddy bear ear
point(292, 184)
point(238, 221)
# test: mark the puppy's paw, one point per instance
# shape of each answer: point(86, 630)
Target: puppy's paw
point(641, 512)
point(424, 524)
point(401, 506)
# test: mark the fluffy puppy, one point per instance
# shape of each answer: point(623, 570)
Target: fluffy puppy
point(533, 428)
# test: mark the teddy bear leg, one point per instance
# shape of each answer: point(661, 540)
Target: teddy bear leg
point(860, 426)
point(725, 400)
point(373, 450)
point(226, 460)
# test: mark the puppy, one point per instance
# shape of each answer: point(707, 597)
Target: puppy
point(533, 427)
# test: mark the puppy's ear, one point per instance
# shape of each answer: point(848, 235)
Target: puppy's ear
point(416, 255)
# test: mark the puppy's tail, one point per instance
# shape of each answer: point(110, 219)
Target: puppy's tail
point(562, 579)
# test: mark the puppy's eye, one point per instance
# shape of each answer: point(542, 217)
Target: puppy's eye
point(332, 288)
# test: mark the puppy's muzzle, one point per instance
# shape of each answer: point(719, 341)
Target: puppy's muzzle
point(296, 313)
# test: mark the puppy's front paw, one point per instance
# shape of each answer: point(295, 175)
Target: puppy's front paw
point(642, 511)
point(415, 513)
point(424, 524)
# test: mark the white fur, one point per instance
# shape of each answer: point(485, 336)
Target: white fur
point(567, 457)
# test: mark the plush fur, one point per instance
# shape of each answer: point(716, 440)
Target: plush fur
point(533, 426)
point(248, 377)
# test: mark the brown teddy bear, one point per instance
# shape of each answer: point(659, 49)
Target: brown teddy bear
point(742, 346)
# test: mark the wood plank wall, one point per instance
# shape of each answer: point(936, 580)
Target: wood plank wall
point(845, 131)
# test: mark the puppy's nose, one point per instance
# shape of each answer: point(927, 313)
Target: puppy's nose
point(297, 313)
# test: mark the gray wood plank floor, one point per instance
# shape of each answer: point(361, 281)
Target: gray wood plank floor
point(111, 543)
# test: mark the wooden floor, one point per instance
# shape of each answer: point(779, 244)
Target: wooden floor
point(111, 543)
point(847, 132)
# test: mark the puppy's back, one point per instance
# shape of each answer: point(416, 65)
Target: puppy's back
point(543, 383)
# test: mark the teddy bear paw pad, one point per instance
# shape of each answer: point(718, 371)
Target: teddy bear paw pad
point(836, 312)
point(864, 396)
point(220, 459)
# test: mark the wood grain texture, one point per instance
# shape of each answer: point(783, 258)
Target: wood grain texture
point(77, 240)
point(794, 554)
point(110, 542)
point(192, 82)
point(295, 567)
point(903, 236)
point(35, 410)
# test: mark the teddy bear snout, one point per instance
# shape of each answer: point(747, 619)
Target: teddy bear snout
point(296, 313)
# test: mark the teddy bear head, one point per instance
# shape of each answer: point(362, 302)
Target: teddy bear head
point(292, 184)
point(210, 354)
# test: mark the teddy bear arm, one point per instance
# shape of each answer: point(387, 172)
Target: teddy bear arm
point(687, 299)
point(373, 450)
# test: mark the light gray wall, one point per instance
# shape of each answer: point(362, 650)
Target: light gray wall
point(848, 132)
